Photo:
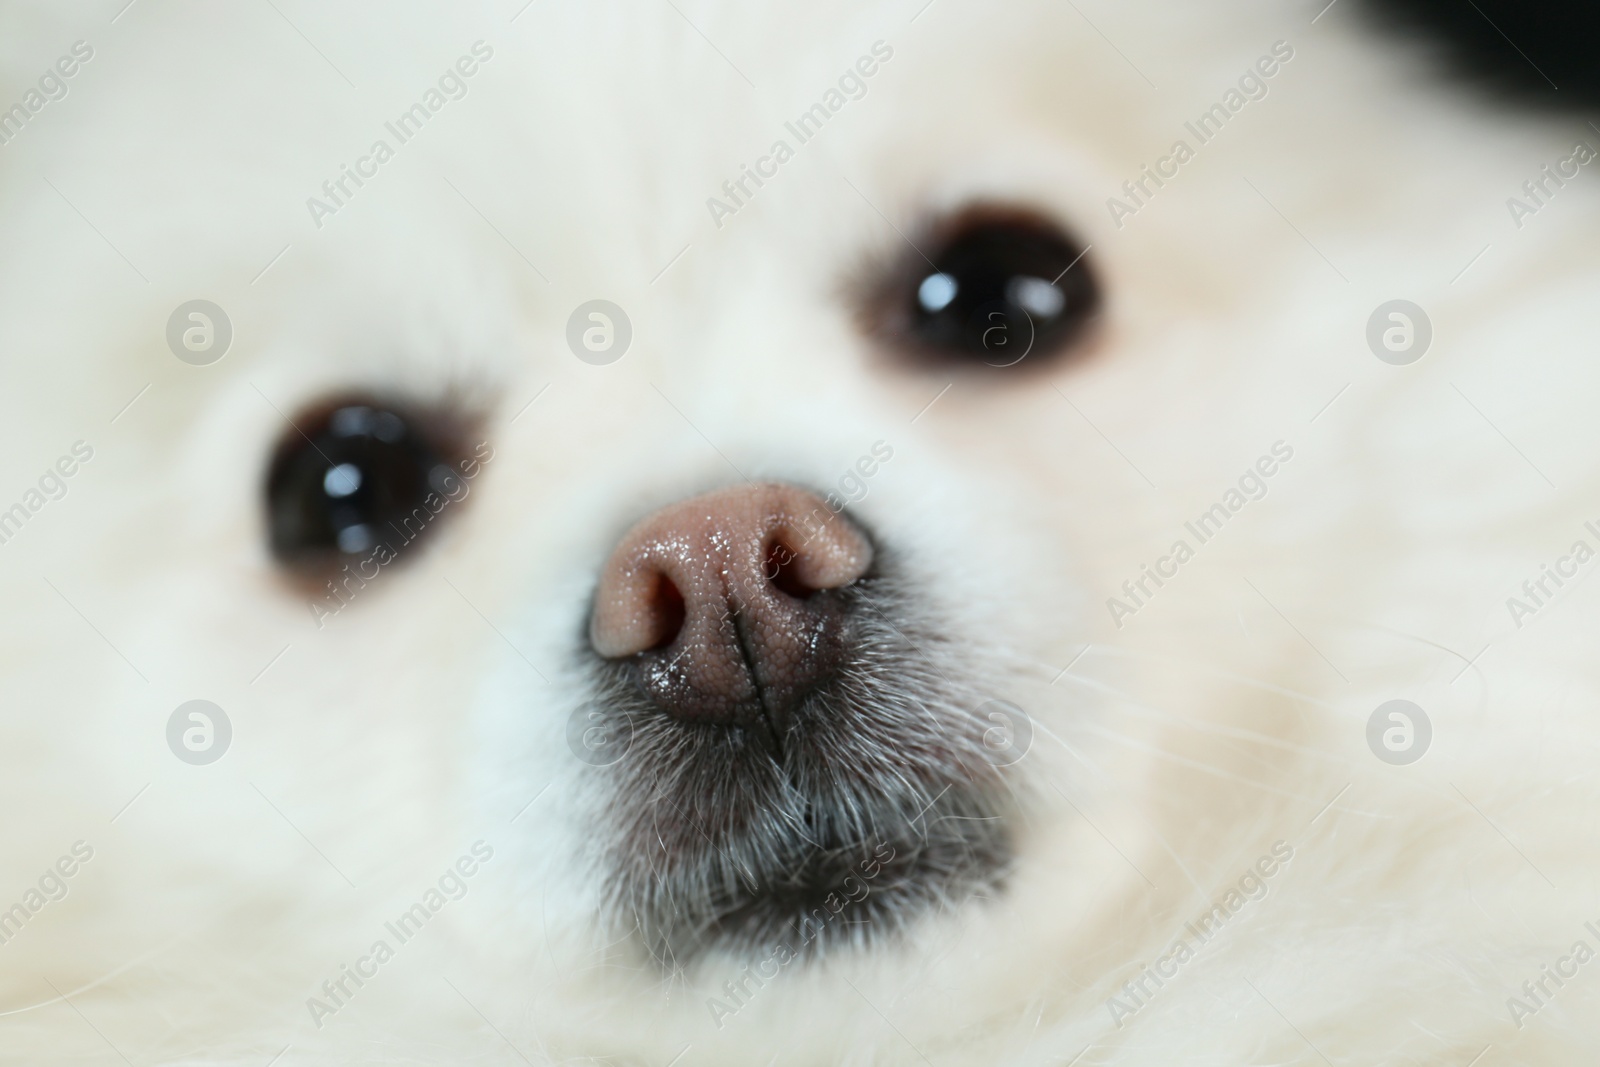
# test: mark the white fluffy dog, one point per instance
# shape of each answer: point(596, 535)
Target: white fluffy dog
point(1083, 598)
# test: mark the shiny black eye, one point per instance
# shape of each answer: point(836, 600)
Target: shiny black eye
point(356, 480)
point(1002, 287)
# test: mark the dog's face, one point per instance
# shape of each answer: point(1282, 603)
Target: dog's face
point(745, 535)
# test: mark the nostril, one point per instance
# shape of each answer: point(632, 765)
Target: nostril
point(783, 570)
point(667, 611)
point(640, 608)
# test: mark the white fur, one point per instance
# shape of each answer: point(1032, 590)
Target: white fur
point(1174, 752)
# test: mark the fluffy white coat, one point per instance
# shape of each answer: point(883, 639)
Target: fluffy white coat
point(1174, 750)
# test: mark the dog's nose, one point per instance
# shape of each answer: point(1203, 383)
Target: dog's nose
point(727, 601)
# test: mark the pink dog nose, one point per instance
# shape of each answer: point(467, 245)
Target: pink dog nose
point(725, 596)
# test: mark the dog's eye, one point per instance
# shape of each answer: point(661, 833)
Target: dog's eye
point(994, 287)
point(354, 479)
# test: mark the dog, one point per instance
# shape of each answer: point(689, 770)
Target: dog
point(710, 534)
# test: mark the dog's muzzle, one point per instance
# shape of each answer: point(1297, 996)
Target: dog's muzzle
point(804, 761)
